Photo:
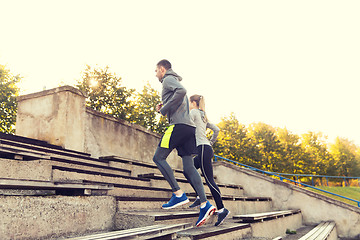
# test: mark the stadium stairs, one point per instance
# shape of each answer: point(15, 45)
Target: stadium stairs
point(47, 192)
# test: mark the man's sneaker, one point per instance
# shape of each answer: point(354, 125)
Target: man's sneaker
point(175, 201)
point(205, 213)
point(222, 216)
point(195, 203)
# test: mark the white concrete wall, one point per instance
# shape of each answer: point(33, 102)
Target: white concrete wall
point(107, 136)
point(314, 207)
point(59, 116)
point(55, 116)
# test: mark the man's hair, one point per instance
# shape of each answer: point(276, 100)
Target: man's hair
point(164, 63)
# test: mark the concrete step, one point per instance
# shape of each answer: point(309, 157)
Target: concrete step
point(48, 170)
point(159, 231)
point(63, 175)
point(31, 143)
point(242, 205)
point(67, 188)
point(141, 218)
point(271, 224)
point(61, 160)
point(323, 231)
point(157, 180)
point(136, 166)
point(229, 230)
point(19, 151)
point(45, 149)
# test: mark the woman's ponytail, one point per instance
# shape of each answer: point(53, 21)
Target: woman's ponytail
point(200, 103)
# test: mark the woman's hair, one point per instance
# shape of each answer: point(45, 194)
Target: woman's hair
point(200, 103)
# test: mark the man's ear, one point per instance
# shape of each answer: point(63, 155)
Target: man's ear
point(163, 70)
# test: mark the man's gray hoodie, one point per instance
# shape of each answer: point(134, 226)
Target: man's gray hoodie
point(175, 101)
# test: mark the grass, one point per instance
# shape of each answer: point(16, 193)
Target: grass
point(349, 192)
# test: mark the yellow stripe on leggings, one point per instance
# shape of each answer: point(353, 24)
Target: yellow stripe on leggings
point(165, 142)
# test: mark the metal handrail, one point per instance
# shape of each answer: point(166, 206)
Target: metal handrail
point(279, 175)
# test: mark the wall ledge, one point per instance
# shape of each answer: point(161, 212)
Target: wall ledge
point(121, 121)
point(50, 92)
point(290, 186)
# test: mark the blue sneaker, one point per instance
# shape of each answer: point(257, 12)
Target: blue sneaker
point(205, 213)
point(175, 201)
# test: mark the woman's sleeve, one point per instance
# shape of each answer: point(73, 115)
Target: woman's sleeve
point(216, 131)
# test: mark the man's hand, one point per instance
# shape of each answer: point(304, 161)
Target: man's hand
point(158, 107)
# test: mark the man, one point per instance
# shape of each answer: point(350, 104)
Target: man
point(179, 135)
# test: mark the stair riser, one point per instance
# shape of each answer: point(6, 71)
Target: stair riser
point(59, 175)
point(137, 170)
point(128, 192)
point(127, 221)
point(235, 207)
point(186, 187)
point(25, 170)
point(235, 235)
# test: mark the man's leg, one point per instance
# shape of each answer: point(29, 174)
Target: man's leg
point(194, 177)
point(160, 160)
point(178, 197)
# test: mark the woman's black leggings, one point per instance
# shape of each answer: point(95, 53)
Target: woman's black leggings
point(204, 161)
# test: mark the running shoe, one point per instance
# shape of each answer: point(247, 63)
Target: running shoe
point(205, 213)
point(222, 216)
point(175, 201)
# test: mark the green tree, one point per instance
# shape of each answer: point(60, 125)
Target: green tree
point(144, 111)
point(233, 142)
point(8, 105)
point(291, 160)
point(316, 155)
point(346, 158)
point(269, 148)
point(105, 92)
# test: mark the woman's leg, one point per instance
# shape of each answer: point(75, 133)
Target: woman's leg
point(205, 155)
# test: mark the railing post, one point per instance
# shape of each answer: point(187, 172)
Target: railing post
point(297, 180)
point(327, 182)
point(215, 158)
point(312, 181)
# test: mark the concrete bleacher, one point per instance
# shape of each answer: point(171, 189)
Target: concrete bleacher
point(127, 192)
point(72, 172)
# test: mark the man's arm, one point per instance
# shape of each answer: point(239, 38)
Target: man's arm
point(216, 131)
point(179, 92)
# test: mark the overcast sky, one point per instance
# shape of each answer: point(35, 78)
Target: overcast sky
point(292, 64)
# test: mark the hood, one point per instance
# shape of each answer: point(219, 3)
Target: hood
point(170, 72)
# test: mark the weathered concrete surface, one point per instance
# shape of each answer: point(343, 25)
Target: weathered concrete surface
point(276, 227)
point(106, 136)
point(15, 169)
point(59, 116)
point(55, 116)
point(314, 207)
point(52, 217)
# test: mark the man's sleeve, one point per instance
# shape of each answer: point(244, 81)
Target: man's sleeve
point(176, 99)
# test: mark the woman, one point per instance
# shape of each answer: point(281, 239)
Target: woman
point(205, 153)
